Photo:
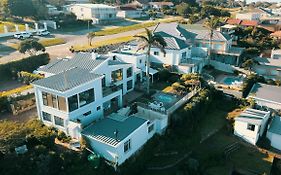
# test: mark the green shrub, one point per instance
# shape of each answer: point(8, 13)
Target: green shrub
point(28, 64)
point(27, 78)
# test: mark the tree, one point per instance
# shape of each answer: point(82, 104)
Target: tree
point(21, 8)
point(249, 64)
point(146, 42)
point(90, 37)
point(211, 24)
point(31, 46)
point(4, 8)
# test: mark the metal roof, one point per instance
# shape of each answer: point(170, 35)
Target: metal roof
point(252, 116)
point(268, 61)
point(104, 130)
point(275, 126)
point(84, 60)
point(266, 92)
point(67, 80)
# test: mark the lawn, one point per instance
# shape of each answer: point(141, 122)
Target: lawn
point(112, 31)
point(11, 26)
point(47, 42)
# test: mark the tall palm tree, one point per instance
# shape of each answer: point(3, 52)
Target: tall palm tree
point(90, 37)
point(146, 42)
point(211, 24)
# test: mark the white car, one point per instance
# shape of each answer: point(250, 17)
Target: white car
point(43, 33)
point(22, 35)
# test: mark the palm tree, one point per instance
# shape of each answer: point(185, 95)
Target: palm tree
point(90, 37)
point(211, 24)
point(146, 42)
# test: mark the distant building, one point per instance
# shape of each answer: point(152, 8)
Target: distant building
point(251, 125)
point(160, 5)
point(98, 13)
point(52, 10)
point(274, 132)
point(269, 67)
point(130, 11)
point(266, 95)
point(144, 4)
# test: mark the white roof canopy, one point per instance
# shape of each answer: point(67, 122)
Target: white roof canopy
point(152, 71)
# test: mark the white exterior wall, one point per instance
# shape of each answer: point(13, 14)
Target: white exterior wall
point(248, 16)
point(267, 103)
point(116, 154)
point(275, 140)
point(172, 57)
point(82, 13)
point(106, 70)
point(240, 129)
point(129, 14)
point(78, 113)
point(138, 61)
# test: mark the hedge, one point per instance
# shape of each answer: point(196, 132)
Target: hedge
point(27, 78)
point(29, 64)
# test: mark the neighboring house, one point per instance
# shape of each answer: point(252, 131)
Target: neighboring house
point(228, 29)
point(274, 132)
point(242, 23)
point(160, 5)
point(255, 14)
point(266, 95)
point(178, 52)
point(251, 125)
point(118, 137)
point(129, 11)
point(52, 10)
point(276, 35)
point(143, 4)
point(98, 13)
point(269, 67)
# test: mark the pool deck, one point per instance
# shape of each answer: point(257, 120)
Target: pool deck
point(167, 105)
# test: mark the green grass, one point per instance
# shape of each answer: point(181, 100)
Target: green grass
point(11, 26)
point(112, 31)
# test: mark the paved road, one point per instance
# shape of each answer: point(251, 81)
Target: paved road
point(63, 49)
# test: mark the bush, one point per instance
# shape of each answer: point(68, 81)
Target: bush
point(28, 64)
point(27, 78)
point(63, 137)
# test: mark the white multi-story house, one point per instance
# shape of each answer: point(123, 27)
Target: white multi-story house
point(129, 11)
point(98, 13)
point(251, 124)
point(82, 89)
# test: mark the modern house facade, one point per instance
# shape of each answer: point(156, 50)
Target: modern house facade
point(82, 89)
point(129, 11)
point(251, 124)
point(98, 13)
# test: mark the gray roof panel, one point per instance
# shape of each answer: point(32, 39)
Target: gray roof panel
point(104, 129)
point(275, 126)
point(266, 92)
point(67, 80)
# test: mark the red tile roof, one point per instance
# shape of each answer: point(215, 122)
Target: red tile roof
point(233, 21)
point(249, 23)
point(276, 34)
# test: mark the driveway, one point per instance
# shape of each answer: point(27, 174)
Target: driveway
point(63, 49)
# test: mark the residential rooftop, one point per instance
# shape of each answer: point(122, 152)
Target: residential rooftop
point(69, 79)
point(252, 116)
point(95, 6)
point(84, 60)
point(268, 61)
point(266, 92)
point(105, 130)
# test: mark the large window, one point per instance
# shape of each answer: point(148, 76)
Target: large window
point(129, 85)
point(129, 72)
point(44, 97)
point(72, 103)
point(251, 127)
point(54, 101)
point(62, 103)
point(86, 97)
point(46, 116)
point(117, 75)
point(183, 55)
point(59, 121)
point(127, 146)
point(155, 53)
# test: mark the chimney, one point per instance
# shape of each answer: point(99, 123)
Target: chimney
point(94, 55)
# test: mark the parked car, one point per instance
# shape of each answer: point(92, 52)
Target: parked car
point(22, 35)
point(43, 33)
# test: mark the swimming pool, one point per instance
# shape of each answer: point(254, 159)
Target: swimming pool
point(232, 81)
point(165, 98)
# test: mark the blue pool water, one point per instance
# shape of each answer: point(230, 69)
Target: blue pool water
point(165, 98)
point(231, 80)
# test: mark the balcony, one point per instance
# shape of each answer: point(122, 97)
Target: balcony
point(109, 90)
